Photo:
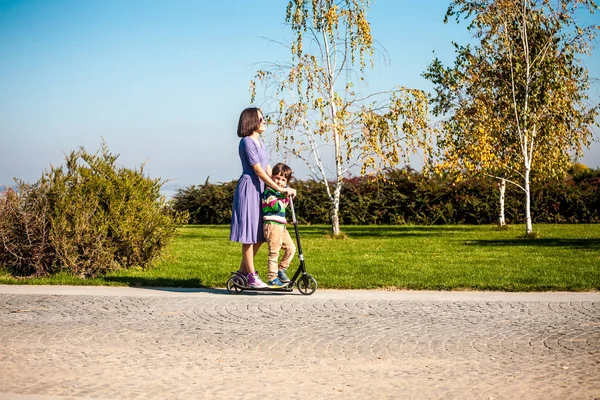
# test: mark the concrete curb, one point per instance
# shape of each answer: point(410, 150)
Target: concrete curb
point(321, 294)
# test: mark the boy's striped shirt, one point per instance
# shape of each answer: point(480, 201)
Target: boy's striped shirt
point(274, 204)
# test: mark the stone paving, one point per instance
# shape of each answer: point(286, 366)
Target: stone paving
point(128, 343)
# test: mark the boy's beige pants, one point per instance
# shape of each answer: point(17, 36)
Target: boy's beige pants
point(278, 238)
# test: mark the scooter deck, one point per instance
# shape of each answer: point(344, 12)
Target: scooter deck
point(287, 288)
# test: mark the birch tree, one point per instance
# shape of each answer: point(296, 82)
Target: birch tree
point(317, 110)
point(516, 100)
point(467, 141)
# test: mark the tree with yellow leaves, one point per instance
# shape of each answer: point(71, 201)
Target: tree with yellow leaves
point(516, 101)
point(319, 115)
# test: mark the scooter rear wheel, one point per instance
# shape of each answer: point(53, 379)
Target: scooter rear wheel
point(307, 284)
point(235, 284)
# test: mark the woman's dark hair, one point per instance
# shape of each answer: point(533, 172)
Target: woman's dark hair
point(282, 169)
point(249, 122)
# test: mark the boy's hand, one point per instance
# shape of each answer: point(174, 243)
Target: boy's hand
point(290, 192)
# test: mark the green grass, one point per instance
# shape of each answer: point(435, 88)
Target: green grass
point(565, 257)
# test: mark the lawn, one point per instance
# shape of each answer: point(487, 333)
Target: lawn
point(459, 257)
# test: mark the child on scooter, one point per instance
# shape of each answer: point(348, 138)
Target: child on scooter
point(274, 205)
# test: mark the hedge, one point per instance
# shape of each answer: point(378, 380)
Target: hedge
point(406, 196)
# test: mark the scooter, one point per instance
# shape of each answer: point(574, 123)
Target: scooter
point(305, 283)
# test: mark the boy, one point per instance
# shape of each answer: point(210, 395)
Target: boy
point(273, 206)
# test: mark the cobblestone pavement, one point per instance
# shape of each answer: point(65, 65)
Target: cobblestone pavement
point(127, 343)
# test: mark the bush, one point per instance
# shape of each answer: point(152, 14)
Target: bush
point(312, 204)
point(206, 204)
point(24, 231)
point(409, 197)
point(88, 217)
point(210, 203)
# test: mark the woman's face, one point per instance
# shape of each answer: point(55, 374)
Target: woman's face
point(263, 123)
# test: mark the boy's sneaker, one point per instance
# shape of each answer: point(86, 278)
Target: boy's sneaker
point(254, 281)
point(276, 283)
point(283, 276)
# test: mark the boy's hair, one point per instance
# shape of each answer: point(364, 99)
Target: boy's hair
point(282, 169)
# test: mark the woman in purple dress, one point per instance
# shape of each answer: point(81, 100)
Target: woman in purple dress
point(246, 217)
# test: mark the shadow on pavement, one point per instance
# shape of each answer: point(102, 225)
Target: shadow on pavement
point(219, 291)
point(156, 282)
point(184, 286)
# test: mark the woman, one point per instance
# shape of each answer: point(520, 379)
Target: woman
point(246, 218)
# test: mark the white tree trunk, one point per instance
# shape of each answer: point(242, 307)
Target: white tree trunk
point(335, 220)
point(502, 187)
point(335, 209)
point(330, 67)
point(528, 224)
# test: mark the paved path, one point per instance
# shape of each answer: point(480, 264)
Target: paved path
point(128, 343)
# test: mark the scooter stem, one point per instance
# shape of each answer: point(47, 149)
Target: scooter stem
point(293, 212)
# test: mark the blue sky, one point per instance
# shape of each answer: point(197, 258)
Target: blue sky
point(164, 81)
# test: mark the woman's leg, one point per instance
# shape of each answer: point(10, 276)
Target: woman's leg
point(247, 265)
point(248, 253)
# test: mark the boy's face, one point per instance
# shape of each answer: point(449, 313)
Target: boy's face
point(280, 180)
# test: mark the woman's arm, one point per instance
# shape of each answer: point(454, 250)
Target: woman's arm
point(262, 174)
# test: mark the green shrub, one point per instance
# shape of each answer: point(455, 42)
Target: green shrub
point(211, 203)
point(312, 205)
point(408, 197)
point(90, 216)
point(206, 204)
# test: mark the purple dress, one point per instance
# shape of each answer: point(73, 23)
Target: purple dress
point(246, 215)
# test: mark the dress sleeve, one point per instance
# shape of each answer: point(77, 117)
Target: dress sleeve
point(251, 149)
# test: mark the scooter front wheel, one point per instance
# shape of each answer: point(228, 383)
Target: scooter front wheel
point(307, 284)
point(235, 284)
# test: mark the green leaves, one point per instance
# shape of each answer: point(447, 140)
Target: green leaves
point(87, 217)
point(520, 84)
point(320, 109)
point(409, 197)
point(517, 101)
